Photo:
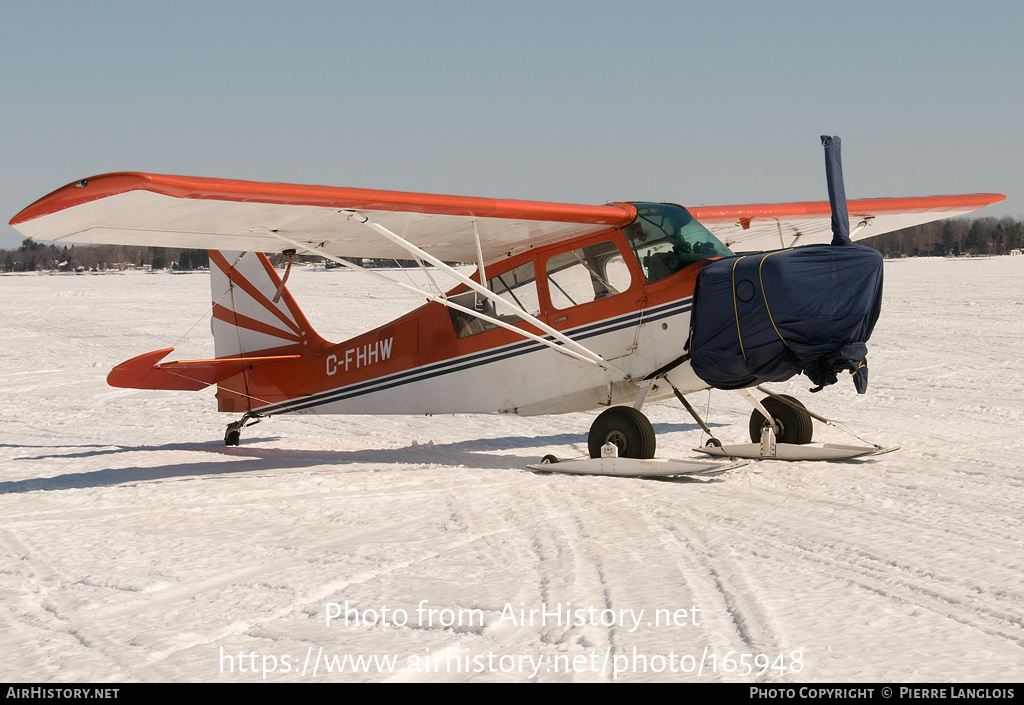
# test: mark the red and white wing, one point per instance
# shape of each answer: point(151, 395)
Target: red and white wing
point(219, 214)
point(767, 226)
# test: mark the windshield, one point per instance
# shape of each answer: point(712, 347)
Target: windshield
point(665, 239)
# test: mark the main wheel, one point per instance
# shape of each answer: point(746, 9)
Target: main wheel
point(627, 428)
point(794, 425)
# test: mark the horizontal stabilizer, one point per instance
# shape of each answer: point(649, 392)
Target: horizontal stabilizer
point(146, 372)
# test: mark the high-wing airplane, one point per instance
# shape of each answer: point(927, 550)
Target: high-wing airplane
point(571, 308)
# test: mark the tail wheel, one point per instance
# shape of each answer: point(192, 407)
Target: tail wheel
point(794, 424)
point(627, 428)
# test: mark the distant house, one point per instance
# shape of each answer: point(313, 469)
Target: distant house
point(1015, 252)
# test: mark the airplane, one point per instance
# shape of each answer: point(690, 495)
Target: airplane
point(571, 308)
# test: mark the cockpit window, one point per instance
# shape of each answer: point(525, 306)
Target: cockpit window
point(665, 239)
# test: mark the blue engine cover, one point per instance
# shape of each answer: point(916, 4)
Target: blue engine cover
point(768, 316)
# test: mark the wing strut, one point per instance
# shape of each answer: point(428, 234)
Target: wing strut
point(479, 256)
point(485, 292)
point(587, 355)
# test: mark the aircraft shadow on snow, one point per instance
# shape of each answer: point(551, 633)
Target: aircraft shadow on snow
point(251, 458)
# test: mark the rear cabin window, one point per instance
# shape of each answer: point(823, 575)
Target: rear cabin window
point(517, 289)
point(588, 274)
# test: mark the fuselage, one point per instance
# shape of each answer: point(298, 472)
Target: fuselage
point(624, 293)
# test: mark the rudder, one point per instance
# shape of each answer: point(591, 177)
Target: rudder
point(246, 320)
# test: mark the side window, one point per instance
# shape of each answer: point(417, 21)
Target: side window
point(587, 274)
point(517, 287)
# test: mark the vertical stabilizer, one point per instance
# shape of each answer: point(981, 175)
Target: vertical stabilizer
point(246, 320)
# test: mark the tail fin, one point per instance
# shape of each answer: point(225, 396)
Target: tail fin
point(246, 320)
point(250, 330)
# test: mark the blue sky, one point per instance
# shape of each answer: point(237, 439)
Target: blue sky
point(695, 103)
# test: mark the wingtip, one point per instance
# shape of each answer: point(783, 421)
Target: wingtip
point(81, 191)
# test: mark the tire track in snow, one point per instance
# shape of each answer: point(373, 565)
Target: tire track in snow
point(42, 589)
point(571, 575)
point(943, 593)
point(883, 577)
point(720, 584)
point(175, 595)
point(915, 528)
point(309, 602)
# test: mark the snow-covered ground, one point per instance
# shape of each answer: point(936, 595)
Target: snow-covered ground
point(135, 546)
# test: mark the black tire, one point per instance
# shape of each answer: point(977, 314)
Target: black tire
point(627, 428)
point(232, 437)
point(795, 424)
point(548, 460)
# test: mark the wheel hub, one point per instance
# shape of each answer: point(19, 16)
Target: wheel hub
point(616, 437)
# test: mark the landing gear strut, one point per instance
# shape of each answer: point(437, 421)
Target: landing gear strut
point(790, 420)
point(780, 427)
point(712, 442)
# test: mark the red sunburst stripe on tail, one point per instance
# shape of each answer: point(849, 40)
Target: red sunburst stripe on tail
point(286, 298)
point(236, 278)
point(233, 317)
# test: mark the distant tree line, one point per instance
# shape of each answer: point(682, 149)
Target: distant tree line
point(34, 256)
point(981, 236)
